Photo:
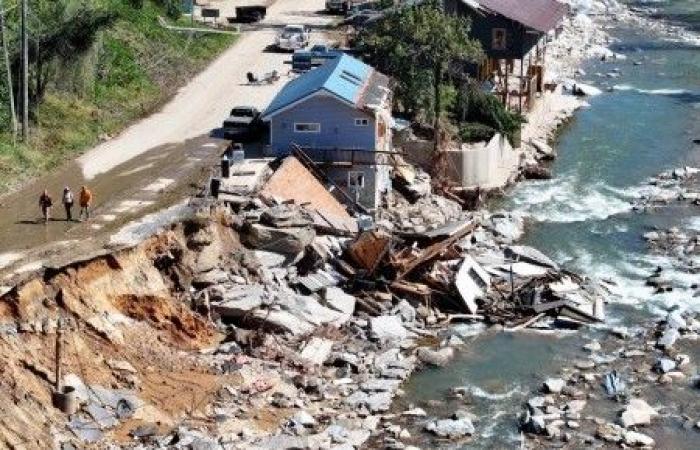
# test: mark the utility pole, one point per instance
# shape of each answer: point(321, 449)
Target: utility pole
point(25, 73)
point(59, 338)
point(10, 90)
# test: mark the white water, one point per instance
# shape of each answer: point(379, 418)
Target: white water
point(565, 200)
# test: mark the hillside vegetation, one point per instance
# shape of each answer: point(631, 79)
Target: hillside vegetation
point(100, 64)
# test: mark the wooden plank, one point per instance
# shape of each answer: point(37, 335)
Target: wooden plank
point(434, 250)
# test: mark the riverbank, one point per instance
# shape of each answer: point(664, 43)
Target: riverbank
point(583, 218)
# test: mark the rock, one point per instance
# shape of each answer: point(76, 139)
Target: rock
point(610, 432)
point(620, 332)
point(535, 424)
point(375, 403)
point(124, 366)
point(575, 406)
point(304, 418)
point(593, 346)
point(584, 365)
point(553, 431)
point(637, 412)
point(379, 385)
point(675, 320)
point(388, 328)
point(554, 385)
point(451, 428)
point(669, 338)
point(635, 438)
point(664, 365)
point(415, 412)
point(437, 358)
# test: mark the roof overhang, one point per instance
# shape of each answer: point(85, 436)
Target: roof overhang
point(319, 93)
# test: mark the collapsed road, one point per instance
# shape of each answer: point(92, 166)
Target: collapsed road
point(269, 317)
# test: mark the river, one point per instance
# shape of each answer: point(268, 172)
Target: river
point(643, 123)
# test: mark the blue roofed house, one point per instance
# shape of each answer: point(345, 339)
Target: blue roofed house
point(339, 114)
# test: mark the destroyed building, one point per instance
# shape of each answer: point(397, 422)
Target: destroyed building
point(339, 116)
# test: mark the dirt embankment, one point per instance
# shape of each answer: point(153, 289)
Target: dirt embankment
point(126, 323)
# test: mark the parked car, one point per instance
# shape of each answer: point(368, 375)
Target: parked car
point(343, 6)
point(318, 54)
point(243, 124)
point(293, 37)
point(363, 19)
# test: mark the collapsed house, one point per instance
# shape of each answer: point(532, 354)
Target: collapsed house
point(512, 31)
point(338, 116)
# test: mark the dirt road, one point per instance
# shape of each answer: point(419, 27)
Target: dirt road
point(152, 164)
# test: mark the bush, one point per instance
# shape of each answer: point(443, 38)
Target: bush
point(475, 132)
point(174, 9)
point(475, 106)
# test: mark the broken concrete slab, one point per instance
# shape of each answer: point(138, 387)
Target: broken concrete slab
point(530, 255)
point(388, 328)
point(472, 281)
point(280, 240)
point(103, 417)
point(317, 350)
point(85, 429)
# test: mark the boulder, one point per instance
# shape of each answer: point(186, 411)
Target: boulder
point(637, 439)
point(437, 358)
point(305, 419)
point(610, 432)
point(554, 385)
point(665, 365)
point(637, 412)
point(676, 320)
point(669, 338)
point(451, 428)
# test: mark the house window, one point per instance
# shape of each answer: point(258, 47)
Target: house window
point(498, 39)
point(361, 122)
point(307, 127)
point(356, 180)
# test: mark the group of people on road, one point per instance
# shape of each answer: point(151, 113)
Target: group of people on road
point(68, 199)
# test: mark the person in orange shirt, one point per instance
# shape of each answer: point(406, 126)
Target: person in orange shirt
point(85, 202)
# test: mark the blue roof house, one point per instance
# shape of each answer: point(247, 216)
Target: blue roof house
point(339, 114)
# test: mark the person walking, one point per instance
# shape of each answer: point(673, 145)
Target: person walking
point(45, 202)
point(68, 201)
point(85, 202)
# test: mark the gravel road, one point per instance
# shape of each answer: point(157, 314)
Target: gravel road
point(200, 106)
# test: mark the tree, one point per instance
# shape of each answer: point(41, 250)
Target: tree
point(417, 46)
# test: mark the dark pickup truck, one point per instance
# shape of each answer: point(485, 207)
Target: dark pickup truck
point(303, 61)
point(244, 124)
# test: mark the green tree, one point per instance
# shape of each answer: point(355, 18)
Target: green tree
point(417, 46)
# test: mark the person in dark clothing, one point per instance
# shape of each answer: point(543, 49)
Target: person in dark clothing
point(45, 202)
point(68, 200)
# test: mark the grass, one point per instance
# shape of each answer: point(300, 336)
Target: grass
point(136, 67)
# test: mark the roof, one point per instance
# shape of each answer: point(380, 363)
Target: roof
point(345, 77)
point(540, 15)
